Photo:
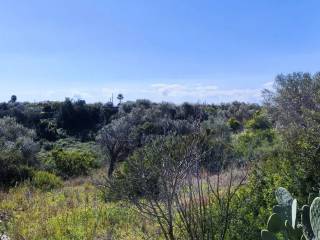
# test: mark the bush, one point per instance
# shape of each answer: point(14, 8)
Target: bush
point(46, 181)
point(234, 124)
point(47, 129)
point(17, 152)
point(13, 168)
point(70, 163)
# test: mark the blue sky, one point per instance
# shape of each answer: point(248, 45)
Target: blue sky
point(165, 50)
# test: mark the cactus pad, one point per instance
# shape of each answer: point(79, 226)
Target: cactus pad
point(294, 206)
point(275, 223)
point(283, 197)
point(305, 221)
point(283, 211)
point(266, 235)
point(293, 233)
point(315, 217)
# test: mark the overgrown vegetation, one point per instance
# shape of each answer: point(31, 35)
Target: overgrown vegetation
point(189, 171)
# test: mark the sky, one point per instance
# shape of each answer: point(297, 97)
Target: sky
point(167, 50)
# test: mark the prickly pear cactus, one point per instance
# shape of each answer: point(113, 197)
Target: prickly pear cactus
point(311, 197)
point(283, 197)
point(284, 207)
point(294, 206)
point(266, 235)
point(292, 233)
point(275, 223)
point(305, 222)
point(283, 222)
point(282, 211)
point(315, 217)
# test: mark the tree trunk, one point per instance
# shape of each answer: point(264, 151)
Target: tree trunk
point(111, 167)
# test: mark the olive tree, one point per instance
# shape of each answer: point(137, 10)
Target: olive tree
point(116, 142)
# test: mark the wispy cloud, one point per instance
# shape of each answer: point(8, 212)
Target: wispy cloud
point(206, 92)
point(183, 90)
point(169, 89)
point(173, 92)
point(268, 85)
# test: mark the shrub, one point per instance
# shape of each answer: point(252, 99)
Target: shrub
point(13, 168)
point(259, 121)
point(47, 130)
point(234, 124)
point(46, 181)
point(70, 163)
point(17, 152)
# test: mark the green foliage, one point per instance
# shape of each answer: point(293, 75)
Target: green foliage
point(280, 142)
point(13, 167)
point(255, 144)
point(294, 107)
point(47, 130)
point(79, 118)
point(262, 148)
point(46, 181)
point(17, 152)
point(258, 194)
point(140, 176)
point(216, 143)
point(259, 121)
point(258, 139)
point(75, 212)
point(234, 124)
point(70, 163)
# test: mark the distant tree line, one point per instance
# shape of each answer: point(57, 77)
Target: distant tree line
point(76, 118)
point(119, 130)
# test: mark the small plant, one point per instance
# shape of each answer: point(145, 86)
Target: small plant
point(46, 181)
point(283, 222)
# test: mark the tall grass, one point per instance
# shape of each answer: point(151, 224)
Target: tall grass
point(72, 212)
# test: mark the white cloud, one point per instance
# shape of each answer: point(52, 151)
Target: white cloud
point(183, 90)
point(268, 85)
point(172, 92)
point(169, 89)
point(205, 92)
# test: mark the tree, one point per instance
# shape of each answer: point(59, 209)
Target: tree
point(294, 106)
point(155, 173)
point(13, 99)
point(120, 97)
point(164, 180)
point(79, 118)
point(115, 140)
